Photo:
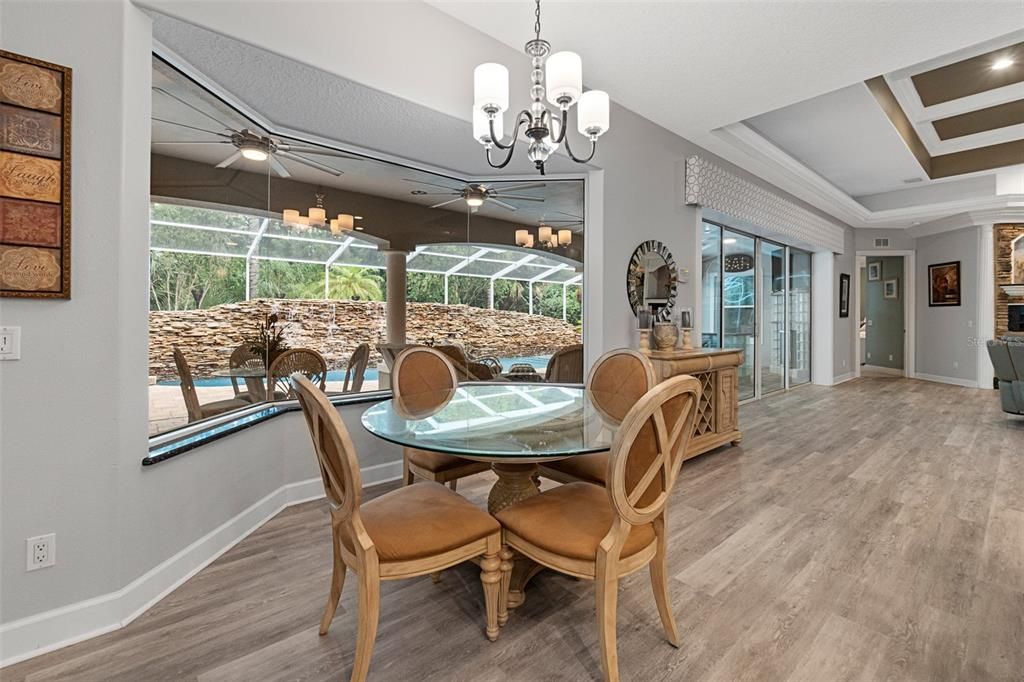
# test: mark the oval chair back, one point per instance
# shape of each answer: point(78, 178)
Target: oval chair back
point(305, 361)
point(648, 449)
point(566, 366)
point(356, 369)
point(244, 357)
point(618, 380)
point(333, 446)
point(188, 387)
point(422, 379)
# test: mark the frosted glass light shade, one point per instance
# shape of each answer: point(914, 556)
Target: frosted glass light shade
point(335, 227)
point(529, 241)
point(290, 216)
point(482, 129)
point(564, 77)
point(593, 113)
point(317, 215)
point(544, 234)
point(345, 221)
point(522, 236)
point(565, 237)
point(490, 86)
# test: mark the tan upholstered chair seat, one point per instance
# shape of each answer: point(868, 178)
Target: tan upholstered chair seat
point(421, 520)
point(436, 462)
point(570, 520)
point(588, 468)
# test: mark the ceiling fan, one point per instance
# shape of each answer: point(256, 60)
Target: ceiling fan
point(476, 194)
point(252, 145)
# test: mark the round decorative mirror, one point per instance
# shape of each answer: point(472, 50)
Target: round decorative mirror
point(651, 280)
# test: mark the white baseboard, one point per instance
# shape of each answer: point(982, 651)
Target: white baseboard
point(843, 378)
point(44, 632)
point(966, 383)
point(892, 371)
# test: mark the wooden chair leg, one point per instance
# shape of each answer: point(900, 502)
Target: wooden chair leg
point(659, 582)
point(436, 577)
point(337, 584)
point(453, 484)
point(407, 475)
point(506, 579)
point(369, 613)
point(490, 576)
point(607, 584)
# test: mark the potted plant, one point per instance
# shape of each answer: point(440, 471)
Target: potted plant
point(269, 341)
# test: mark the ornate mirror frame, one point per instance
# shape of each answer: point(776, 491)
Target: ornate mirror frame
point(635, 278)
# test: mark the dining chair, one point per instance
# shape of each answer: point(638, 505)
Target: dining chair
point(405, 533)
point(244, 357)
point(195, 410)
point(617, 381)
point(566, 366)
point(603, 534)
point(356, 369)
point(306, 361)
point(422, 371)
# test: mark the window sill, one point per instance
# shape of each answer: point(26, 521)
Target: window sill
point(165, 446)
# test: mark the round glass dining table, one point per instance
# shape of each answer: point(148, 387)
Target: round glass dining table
point(513, 426)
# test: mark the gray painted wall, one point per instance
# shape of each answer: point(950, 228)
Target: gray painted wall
point(946, 335)
point(844, 362)
point(885, 316)
point(899, 240)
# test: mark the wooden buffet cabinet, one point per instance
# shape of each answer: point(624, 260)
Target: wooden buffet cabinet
point(717, 421)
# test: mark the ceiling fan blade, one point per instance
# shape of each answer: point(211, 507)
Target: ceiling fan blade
point(192, 107)
point(278, 167)
point(311, 163)
point(445, 203)
point(317, 150)
point(571, 215)
point(230, 160)
point(516, 188)
point(440, 194)
point(434, 184)
point(182, 125)
point(193, 142)
point(510, 207)
point(519, 197)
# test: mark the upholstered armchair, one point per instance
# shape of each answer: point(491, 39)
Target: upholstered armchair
point(1008, 362)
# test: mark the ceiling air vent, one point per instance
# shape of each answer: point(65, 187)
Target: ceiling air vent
point(882, 243)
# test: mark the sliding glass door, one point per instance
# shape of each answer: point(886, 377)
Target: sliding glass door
point(756, 296)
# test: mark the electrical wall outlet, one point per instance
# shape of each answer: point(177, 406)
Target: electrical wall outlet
point(10, 343)
point(890, 357)
point(41, 552)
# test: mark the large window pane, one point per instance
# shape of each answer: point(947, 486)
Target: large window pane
point(772, 346)
point(799, 317)
point(711, 287)
point(739, 304)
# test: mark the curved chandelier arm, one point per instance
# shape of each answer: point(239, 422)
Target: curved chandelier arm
point(563, 125)
point(593, 148)
point(524, 117)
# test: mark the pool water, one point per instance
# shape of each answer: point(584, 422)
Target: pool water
point(539, 362)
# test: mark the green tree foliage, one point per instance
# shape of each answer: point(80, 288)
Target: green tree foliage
point(425, 287)
point(186, 281)
point(349, 284)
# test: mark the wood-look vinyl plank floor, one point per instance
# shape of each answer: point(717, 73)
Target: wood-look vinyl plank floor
point(871, 531)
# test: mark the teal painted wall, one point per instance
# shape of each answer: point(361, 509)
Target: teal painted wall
point(885, 315)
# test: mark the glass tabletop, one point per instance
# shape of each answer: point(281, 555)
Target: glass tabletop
point(241, 372)
point(495, 422)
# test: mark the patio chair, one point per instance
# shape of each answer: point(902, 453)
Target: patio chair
point(195, 410)
point(244, 357)
point(566, 366)
point(305, 361)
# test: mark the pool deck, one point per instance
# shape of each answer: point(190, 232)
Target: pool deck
point(167, 407)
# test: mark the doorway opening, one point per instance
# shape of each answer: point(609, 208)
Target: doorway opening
point(885, 307)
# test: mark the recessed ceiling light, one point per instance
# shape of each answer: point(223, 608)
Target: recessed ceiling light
point(1002, 63)
point(418, 192)
point(911, 181)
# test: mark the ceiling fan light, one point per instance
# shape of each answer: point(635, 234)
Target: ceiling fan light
point(490, 87)
point(474, 200)
point(592, 117)
point(482, 128)
point(564, 78)
point(565, 237)
point(522, 237)
point(254, 153)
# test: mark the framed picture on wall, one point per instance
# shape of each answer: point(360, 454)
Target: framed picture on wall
point(944, 284)
point(875, 271)
point(844, 295)
point(35, 178)
point(891, 288)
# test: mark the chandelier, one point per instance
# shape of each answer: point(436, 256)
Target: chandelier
point(317, 217)
point(547, 237)
point(546, 131)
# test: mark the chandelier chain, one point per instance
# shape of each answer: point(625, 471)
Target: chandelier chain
point(536, 24)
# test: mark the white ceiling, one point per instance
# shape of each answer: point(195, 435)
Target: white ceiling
point(846, 138)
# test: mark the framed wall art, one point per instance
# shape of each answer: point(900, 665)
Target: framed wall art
point(944, 284)
point(891, 288)
point(844, 295)
point(874, 271)
point(35, 178)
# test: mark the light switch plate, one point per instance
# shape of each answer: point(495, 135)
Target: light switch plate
point(10, 343)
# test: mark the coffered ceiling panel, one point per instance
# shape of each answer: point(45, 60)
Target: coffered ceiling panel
point(970, 76)
point(989, 118)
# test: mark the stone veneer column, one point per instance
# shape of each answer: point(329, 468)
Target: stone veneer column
point(395, 297)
